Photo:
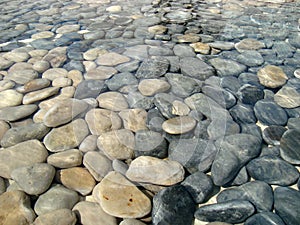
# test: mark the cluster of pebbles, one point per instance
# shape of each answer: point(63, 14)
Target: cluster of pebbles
point(149, 112)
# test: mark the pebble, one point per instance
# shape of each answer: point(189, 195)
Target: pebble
point(121, 80)
point(100, 73)
point(42, 35)
point(289, 144)
point(134, 119)
point(250, 94)
point(66, 136)
point(41, 66)
point(227, 67)
point(53, 73)
point(21, 73)
point(14, 113)
point(202, 48)
point(34, 85)
point(179, 125)
point(92, 213)
point(66, 159)
point(250, 58)
point(249, 44)
point(173, 205)
point(6, 84)
point(150, 87)
point(16, 56)
point(68, 28)
point(57, 197)
point(10, 98)
point(272, 76)
point(34, 179)
point(193, 67)
point(4, 126)
point(264, 218)
point(152, 68)
point(114, 101)
point(288, 97)
point(131, 222)
point(111, 59)
point(15, 208)
point(35, 96)
point(89, 89)
point(147, 169)
point(56, 57)
point(272, 134)
point(243, 113)
point(180, 109)
point(273, 170)
point(121, 198)
point(59, 216)
point(23, 154)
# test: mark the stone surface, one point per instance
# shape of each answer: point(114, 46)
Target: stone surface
point(272, 76)
point(150, 87)
point(121, 198)
point(14, 113)
point(147, 169)
point(288, 97)
point(289, 144)
point(273, 134)
point(34, 85)
point(249, 44)
point(195, 68)
point(66, 159)
point(100, 73)
point(134, 119)
point(15, 208)
point(59, 216)
point(39, 95)
point(89, 89)
point(227, 67)
point(173, 205)
point(114, 101)
point(131, 222)
point(111, 59)
point(34, 179)
point(152, 68)
point(179, 125)
point(10, 98)
point(264, 218)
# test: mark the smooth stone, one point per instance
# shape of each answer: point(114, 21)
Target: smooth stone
point(43, 34)
point(236, 211)
point(41, 66)
point(202, 48)
point(221, 127)
point(57, 197)
point(89, 89)
point(97, 164)
point(120, 80)
point(23, 154)
point(39, 95)
point(121, 198)
point(4, 127)
point(34, 85)
point(272, 134)
point(78, 179)
point(68, 28)
point(180, 109)
point(147, 169)
point(250, 58)
point(64, 111)
point(241, 178)
point(61, 82)
point(16, 56)
point(114, 101)
point(56, 56)
point(14, 113)
point(15, 208)
point(111, 59)
point(21, 73)
point(227, 67)
point(92, 213)
point(182, 86)
point(199, 185)
point(264, 218)
point(193, 154)
point(134, 119)
point(173, 205)
point(236, 150)
point(178, 16)
point(164, 103)
point(272, 76)
point(269, 113)
point(286, 205)
point(221, 96)
point(2, 186)
point(183, 51)
point(150, 87)
point(179, 125)
point(288, 97)
point(222, 45)
point(53, 73)
point(294, 123)
point(34, 179)
point(100, 73)
point(102, 120)
point(152, 68)
point(242, 113)
point(66, 159)
point(5, 64)
point(24, 133)
point(230, 83)
point(249, 44)
point(196, 68)
point(250, 94)
point(188, 38)
point(59, 216)
point(289, 145)
point(259, 193)
point(6, 84)
point(93, 53)
point(137, 100)
point(118, 144)
point(10, 98)
point(67, 136)
point(273, 170)
point(150, 143)
point(131, 222)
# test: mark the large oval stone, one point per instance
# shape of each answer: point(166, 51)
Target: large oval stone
point(272, 76)
point(179, 125)
point(10, 98)
point(289, 146)
point(59, 216)
point(14, 113)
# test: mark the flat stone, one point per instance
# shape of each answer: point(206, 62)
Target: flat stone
point(294, 123)
point(59, 216)
point(157, 29)
point(41, 66)
point(199, 185)
point(150, 87)
point(249, 44)
point(272, 134)
point(100, 73)
point(64, 111)
point(285, 203)
point(288, 97)
point(57, 197)
point(202, 48)
point(23, 154)
point(14, 113)
point(289, 145)
point(152, 68)
point(272, 76)
point(183, 51)
point(92, 213)
point(120, 80)
point(68, 28)
point(66, 159)
point(179, 125)
point(34, 179)
point(259, 193)
point(111, 59)
point(67, 136)
point(97, 164)
point(4, 126)
point(34, 85)
point(53, 73)
point(114, 101)
point(43, 34)
point(6, 84)
point(269, 113)
point(131, 222)
point(10, 98)
point(89, 89)
point(236, 211)
point(243, 113)
point(15, 208)
point(180, 109)
point(39, 95)
point(220, 95)
point(5, 64)
point(188, 38)
point(78, 179)
point(264, 218)
point(134, 119)
point(273, 170)
point(102, 120)
point(173, 205)
point(222, 45)
point(250, 94)
point(16, 56)
point(24, 133)
point(61, 82)
point(21, 73)
point(121, 198)
point(147, 169)
point(227, 67)
point(56, 56)
point(250, 58)
point(221, 127)
point(196, 68)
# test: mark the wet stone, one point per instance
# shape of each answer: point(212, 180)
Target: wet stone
point(34, 179)
point(250, 94)
point(152, 68)
point(264, 218)
point(150, 87)
point(59, 216)
point(195, 68)
point(273, 170)
point(236, 211)
point(289, 145)
point(89, 89)
point(10, 98)
point(243, 113)
point(272, 134)
point(173, 205)
point(14, 113)
point(179, 125)
point(227, 67)
point(272, 76)
point(66, 159)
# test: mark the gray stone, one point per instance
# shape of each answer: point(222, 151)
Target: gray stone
point(250, 58)
point(264, 218)
point(184, 51)
point(164, 102)
point(152, 68)
point(131, 222)
point(227, 67)
point(289, 145)
point(196, 68)
point(221, 127)
point(121, 79)
point(220, 95)
point(10, 98)
point(250, 94)
point(288, 97)
point(14, 113)
point(90, 89)
point(66, 159)
point(243, 113)
point(272, 134)
point(59, 216)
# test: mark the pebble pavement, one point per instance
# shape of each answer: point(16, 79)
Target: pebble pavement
point(149, 112)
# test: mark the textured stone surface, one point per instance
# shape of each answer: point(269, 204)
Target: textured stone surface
point(14, 113)
point(59, 216)
point(272, 76)
point(179, 125)
point(289, 145)
point(66, 159)
point(264, 218)
point(10, 98)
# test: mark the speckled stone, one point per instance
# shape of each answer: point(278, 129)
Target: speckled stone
point(272, 76)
